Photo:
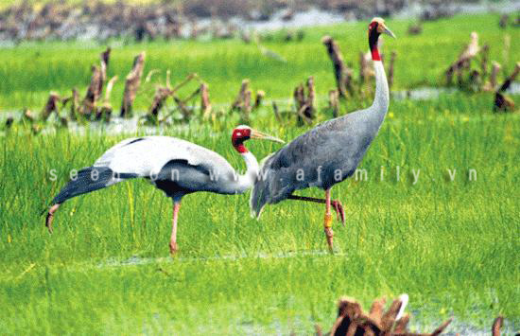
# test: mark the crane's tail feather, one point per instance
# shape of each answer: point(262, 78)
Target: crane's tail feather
point(258, 199)
point(87, 180)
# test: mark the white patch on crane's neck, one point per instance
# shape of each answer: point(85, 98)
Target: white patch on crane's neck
point(382, 96)
point(246, 181)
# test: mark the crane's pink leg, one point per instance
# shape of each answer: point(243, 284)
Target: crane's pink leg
point(173, 239)
point(327, 224)
point(336, 205)
point(50, 216)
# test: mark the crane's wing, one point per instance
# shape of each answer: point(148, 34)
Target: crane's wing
point(146, 156)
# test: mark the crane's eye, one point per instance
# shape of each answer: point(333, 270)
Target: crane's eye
point(239, 134)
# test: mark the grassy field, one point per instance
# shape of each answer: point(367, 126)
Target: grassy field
point(31, 70)
point(451, 245)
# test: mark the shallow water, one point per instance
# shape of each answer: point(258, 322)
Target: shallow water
point(135, 125)
point(138, 261)
point(457, 326)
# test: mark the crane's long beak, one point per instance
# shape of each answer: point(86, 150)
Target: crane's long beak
point(262, 136)
point(388, 32)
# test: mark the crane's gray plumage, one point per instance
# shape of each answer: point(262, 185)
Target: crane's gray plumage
point(87, 180)
point(325, 155)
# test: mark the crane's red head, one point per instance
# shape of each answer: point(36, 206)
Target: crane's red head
point(240, 135)
point(243, 133)
point(375, 29)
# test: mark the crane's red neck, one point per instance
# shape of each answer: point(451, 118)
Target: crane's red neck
point(239, 136)
point(373, 37)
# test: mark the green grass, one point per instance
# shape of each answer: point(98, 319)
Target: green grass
point(31, 70)
point(452, 246)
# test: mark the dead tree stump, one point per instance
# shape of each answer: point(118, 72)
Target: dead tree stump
point(276, 112)
point(308, 112)
point(339, 67)
point(494, 74)
point(365, 73)
point(242, 102)
point(239, 100)
point(161, 94)
point(334, 103)
point(88, 105)
point(74, 103)
point(51, 106)
point(502, 102)
point(246, 108)
point(27, 116)
point(352, 320)
point(260, 94)
point(393, 56)
point(105, 58)
point(105, 112)
point(503, 21)
point(484, 62)
point(9, 122)
point(305, 103)
point(132, 83)
point(95, 89)
point(299, 103)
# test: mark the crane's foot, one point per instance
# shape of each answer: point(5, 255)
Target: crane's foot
point(329, 234)
point(173, 248)
point(340, 213)
point(50, 217)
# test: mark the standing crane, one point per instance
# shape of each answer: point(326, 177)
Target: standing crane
point(175, 166)
point(327, 154)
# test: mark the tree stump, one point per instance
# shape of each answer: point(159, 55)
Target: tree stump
point(132, 83)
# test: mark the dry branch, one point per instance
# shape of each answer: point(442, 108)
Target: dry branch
point(463, 61)
point(161, 94)
point(150, 74)
point(133, 81)
point(106, 109)
point(205, 104)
